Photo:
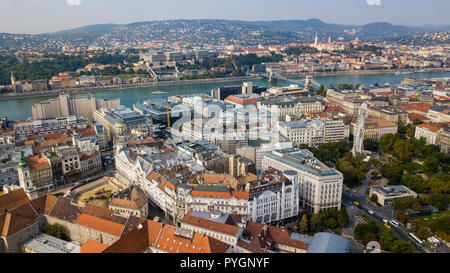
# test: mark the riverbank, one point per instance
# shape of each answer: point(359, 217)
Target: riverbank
point(360, 72)
point(124, 86)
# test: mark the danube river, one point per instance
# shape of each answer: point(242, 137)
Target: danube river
point(20, 109)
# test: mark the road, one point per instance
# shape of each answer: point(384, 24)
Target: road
point(380, 213)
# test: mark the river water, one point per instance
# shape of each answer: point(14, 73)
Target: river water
point(20, 109)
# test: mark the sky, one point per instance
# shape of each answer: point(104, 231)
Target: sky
point(42, 16)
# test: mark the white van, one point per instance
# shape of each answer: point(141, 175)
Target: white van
point(395, 223)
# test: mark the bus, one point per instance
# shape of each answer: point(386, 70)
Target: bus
point(416, 239)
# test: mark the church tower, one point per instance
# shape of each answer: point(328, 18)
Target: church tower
point(316, 41)
point(13, 79)
point(25, 180)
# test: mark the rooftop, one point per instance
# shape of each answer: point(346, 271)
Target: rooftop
point(43, 243)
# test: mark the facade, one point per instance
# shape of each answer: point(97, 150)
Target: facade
point(390, 193)
point(65, 106)
point(289, 106)
point(8, 174)
point(391, 114)
point(48, 126)
point(274, 198)
point(119, 121)
point(443, 138)
point(131, 201)
point(429, 131)
point(35, 175)
point(320, 187)
point(376, 128)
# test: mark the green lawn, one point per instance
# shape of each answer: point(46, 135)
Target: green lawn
point(424, 220)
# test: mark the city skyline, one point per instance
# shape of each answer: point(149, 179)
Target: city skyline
point(58, 15)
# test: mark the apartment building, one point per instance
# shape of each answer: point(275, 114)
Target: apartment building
point(320, 187)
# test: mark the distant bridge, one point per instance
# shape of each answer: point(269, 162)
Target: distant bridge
point(307, 82)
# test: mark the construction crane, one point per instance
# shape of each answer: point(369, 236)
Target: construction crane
point(169, 109)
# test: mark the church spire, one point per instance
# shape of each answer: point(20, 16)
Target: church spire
point(13, 79)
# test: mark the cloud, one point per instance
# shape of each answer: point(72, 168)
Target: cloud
point(374, 2)
point(73, 2)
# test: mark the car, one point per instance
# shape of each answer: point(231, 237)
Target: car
point(356, 203)
point(394, 223)
point(371, 212)
point(386, 225)
point(385, 221)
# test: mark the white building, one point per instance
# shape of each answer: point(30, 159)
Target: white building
point(275, 199)
point(320, 186)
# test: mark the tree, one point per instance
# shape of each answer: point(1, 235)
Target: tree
point(441, 235)
point(431, 165)
point(387, 238)
point(401, 216)
point(403, 150)
point(315, 223)
point(343, 218)
point(417, 207)
point(415, 183)
point(401, 246)
point(331, 223)
point(303, 225)
point(423, 232)
point(440, 183)
point(56, 230)
point(369, 237)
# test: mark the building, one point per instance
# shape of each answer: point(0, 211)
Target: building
point(429, 131)
point(389, 113)
point(274, 198)
point(376, 128)
point(49, 126)
point(324, 242)
point(153, 237)
point(8, 173)
point(292, 106)
point(65, 106)
point(388, 194)
point(131, 201)
point(119, 121)
point(35, 175)
point(443, 138)
point(439, 113)
point(43, 243)
point(313, 132)
point(223, 92)
point(220, 226)
point(243, 100)
point(261, 238)
point(320, 187)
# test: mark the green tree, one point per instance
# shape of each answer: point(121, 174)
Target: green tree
point(401, 246)
point(415, 183)
point(331, 223)
point(369, 237)
point(403, 150)
point(315, 223)
point(423, 232)
point(303, 225)
point(387, 239)
point(56, 230)
point(440, 183)
point(431, 165)
point(343, 218)
point(401, 216)
point(417, 207)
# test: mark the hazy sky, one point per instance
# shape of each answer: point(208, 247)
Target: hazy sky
point(38, 16)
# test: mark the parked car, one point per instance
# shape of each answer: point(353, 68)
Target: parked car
point(395, 223)
point(371, 212)
point(385, 221)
